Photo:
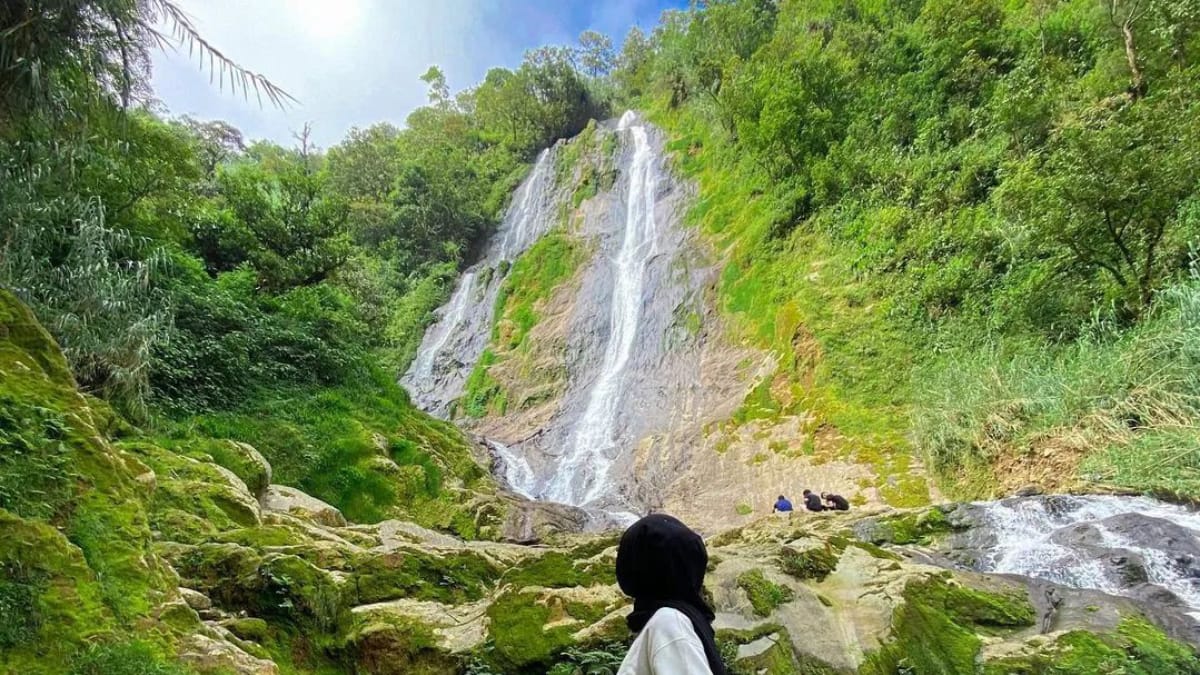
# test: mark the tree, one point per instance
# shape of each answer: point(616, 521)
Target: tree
point(277, 216)
point(1124, 14)
point(439, 91)
point(596, 53)
point(632, 68)
point(216, 142)
point(365, 164)
point(53, 51)
point(1111, 190)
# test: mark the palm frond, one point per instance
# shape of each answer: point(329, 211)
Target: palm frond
point(181, 31)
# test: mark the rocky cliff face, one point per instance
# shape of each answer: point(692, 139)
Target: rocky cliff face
point(587, 345)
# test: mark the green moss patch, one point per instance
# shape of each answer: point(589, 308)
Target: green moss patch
point(449, 578)
point(562, 570)
point(1136, 648)
point(518, 635)
point(764, 594)
point(813, 562)
point(396, 646)
point(906, 528)
point(935, 630)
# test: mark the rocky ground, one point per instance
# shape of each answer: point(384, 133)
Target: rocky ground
point(224, 571)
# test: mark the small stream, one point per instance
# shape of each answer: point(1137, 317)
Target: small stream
point(1135, 547)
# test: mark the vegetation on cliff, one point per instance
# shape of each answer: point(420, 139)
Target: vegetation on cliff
point(922, 202)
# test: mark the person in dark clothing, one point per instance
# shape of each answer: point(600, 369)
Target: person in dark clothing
point(835, 502)
point(661, 565)
point(812, 501)
point(782, 505)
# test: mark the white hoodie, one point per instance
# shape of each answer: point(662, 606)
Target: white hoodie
point(667, 645)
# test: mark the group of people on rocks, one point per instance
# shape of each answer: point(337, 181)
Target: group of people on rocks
point(825, 501)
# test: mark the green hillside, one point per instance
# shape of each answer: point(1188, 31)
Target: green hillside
point(965, 228)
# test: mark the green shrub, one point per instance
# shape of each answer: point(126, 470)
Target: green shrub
point(128, 658)
point(18, 606)
point(328, 442)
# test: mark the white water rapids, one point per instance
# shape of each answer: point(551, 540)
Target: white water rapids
point(582, 475)
point(1041, 538)
point(515, 470)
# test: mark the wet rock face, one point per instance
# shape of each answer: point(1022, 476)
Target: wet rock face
point(1135, 547)
point(622, 374)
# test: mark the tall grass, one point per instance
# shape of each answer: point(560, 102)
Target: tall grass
point(1129, 401)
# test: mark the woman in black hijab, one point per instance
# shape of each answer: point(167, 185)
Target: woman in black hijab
point(661, 564)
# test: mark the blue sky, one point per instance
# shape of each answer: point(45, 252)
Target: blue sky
point(355, 62)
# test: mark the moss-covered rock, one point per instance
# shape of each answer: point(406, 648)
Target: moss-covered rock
point(451, 577)
point(764, 594)
point(935, 629)
point(809, 558)
point(910, 527)
point(77, 543)
point(53, 601)
point(560, 569)
point(1135, 648)
point(519, 634)
point(242, 459)
point(397, 646)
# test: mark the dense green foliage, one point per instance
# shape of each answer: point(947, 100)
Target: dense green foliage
point(894, 181)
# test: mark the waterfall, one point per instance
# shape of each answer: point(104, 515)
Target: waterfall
point(583, 472)
point(1077, 541)
point(514, 469)
point(423, 365)
point(452, 345)
point(527, 211)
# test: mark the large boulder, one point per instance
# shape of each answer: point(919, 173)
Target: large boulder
point(210, 655)
point(284, 499)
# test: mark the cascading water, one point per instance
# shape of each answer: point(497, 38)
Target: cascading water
point(514, 469)
point(527, 211)
point(583, 472)
point(452, 345)
point(422, 367)
point(581, 393)
point(1106, 543)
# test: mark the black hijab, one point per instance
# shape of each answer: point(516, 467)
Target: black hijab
point(661, 563)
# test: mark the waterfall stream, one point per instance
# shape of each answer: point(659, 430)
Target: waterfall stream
point(422, 367)
point(583, 472)
point(453, 344)
point(611, 364)
point(1118, 545)
point(527, 211)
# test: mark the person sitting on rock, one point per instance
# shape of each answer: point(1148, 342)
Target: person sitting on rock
point(782, 505)
point(661, 565)
point(812, 501)
point(835, 502)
